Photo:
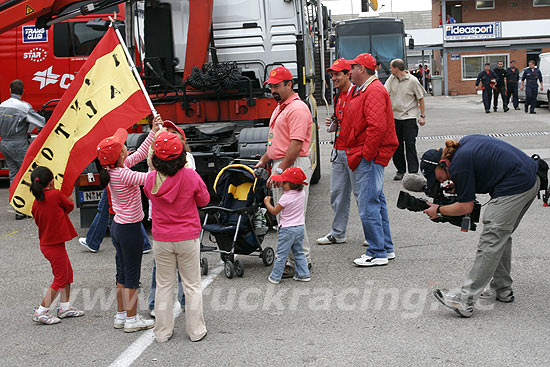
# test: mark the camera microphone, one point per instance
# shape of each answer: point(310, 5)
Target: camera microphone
point(414, 183)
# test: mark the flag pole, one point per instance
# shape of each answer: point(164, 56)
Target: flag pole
point(134, 70)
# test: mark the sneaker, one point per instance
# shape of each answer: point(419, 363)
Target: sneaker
point(453, 302)
point(329, 240)
point(288, 272)
point(119, 323)
point(517, 108)
point(366, 261)
point(506, 109)
point(398, 176)
point(70, 312)
point(391, 255)
point(44, 318)
point(491, 294)
point(147, 249)
point(138, 324)
point(487, 111)
point(533, 113)
point(365, 243)
point(307, 279)
point(82, 241)
point(495, 109)
point(273, 281)
point(153, 315)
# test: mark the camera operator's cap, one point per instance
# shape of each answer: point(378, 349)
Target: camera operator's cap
point(367, 60)
point(108, 150)
point(168, 146)
point(292, 174)
point(428, 163)
point(168, 123)
point(339, 65)
point(279, 74)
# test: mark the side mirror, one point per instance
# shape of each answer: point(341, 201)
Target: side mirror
point(411, 43)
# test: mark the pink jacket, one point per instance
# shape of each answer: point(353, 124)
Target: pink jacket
point(175, 201)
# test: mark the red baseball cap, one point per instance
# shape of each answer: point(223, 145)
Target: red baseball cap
point(339, 65)
point(367, 60)
point(168, 123)
point(279, 74)
point(168, 146)
point(292, 174)
point(108, 150)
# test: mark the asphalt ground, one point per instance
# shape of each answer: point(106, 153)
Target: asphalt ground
point(345, 315)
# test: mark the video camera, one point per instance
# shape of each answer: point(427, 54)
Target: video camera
point(440, 197)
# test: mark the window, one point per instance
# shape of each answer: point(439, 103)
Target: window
point(75, 39)
point(472, 65)
point(485, 4)
point(541, 2)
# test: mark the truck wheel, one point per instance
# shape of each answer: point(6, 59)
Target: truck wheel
point(316, 176)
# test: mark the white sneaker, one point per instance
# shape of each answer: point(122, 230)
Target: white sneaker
point(307, 279)
point(82, 241)
point(329, 240)
point(138, 324)
point(365, 261)
point(119, 323)
point(365, 243)
point(391, 255)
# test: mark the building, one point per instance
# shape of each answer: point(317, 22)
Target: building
point(485, 31)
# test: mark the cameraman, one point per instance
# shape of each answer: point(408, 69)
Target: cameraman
point(483, 165)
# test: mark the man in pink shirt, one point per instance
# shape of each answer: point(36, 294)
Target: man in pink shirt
point(288, 141)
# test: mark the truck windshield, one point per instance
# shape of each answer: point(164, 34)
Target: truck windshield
point(382, 38)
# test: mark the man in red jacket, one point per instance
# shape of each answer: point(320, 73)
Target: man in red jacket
point(370, 143)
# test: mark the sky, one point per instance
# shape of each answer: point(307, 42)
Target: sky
point(345, 6)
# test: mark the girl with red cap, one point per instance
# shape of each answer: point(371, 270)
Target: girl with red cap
point(123, 185)
point(291, 224)
point(175, 193)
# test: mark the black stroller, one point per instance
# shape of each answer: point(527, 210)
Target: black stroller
point(240, 222)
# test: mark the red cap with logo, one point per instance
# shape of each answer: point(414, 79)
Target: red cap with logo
point(367, 60)
point(279, 74)
point(168, 146)
point(292, 174)
point(108, 150)
point(339, 65)
point(168, 123)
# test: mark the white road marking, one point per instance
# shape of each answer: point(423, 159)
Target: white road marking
point(136, 348)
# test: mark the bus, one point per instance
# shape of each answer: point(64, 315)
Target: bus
point(383, 38)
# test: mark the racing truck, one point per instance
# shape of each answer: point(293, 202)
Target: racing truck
point(203, 62)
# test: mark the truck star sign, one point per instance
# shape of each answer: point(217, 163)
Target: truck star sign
point(470, 31)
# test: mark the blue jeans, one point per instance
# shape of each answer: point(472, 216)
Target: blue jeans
point(181, 295)
point(290, 238)
point(372, 208)
point(101, 221)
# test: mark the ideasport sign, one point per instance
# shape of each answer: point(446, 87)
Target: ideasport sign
point(470, 31)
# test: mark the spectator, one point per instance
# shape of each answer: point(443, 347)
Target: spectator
point(370, 144)
point(288, 142)
point(15, 118)
point(406, 95)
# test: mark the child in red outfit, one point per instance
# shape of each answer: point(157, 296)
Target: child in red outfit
point(50, 211)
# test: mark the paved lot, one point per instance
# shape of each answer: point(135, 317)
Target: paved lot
point(345, 315)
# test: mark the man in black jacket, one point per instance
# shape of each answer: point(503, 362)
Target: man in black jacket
point(500, 88)
point(485, 78)
point(512, 79)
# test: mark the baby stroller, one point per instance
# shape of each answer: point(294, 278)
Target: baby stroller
point(239, 228)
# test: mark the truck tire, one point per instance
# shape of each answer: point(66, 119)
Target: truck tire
point(316, 176)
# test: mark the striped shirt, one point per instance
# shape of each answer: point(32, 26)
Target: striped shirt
point(124, 186)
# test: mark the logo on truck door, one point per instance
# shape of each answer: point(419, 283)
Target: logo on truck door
point(47, 77)
point(31, 34)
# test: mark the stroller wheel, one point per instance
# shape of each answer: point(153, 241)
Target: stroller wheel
point(204, 266)
point(229, 269)
point(225, 257)
point(239, 268)
point(268, 256)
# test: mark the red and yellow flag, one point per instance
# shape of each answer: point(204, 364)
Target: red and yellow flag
point(103, 97)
